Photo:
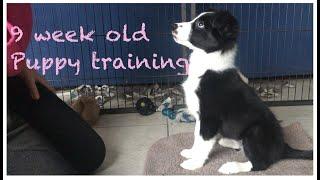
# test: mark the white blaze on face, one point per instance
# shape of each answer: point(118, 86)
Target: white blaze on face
point(184, 30)
point(182, 33)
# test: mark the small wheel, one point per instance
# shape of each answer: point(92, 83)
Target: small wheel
point(145, 106)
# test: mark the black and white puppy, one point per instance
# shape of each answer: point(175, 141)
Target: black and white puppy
point(226, 108)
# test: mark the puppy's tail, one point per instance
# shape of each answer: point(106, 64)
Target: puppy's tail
point(290, 153)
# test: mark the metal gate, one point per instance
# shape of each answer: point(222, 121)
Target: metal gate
point(275, 51)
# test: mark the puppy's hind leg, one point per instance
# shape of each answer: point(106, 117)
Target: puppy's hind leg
point(235, 167)
point(262, 147)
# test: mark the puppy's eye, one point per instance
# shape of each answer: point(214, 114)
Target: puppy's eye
point(200, 24)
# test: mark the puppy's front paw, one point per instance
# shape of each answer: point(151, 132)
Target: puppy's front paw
point(192, 164)
point(187, 153)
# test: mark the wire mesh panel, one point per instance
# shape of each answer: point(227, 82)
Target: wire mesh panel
point(275, 51)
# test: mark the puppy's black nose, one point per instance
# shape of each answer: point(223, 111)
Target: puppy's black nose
point(174, 26)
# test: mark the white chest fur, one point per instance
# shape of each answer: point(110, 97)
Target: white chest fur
point(200, 62)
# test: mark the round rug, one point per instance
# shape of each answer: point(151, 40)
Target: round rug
point(164, 158)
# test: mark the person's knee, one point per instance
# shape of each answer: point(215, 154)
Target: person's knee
point(94, 157)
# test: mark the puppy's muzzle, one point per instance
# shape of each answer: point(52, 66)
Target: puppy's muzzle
point(174, 27)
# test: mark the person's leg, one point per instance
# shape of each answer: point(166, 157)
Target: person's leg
point(30, 153)
point(15, 124)
point(72, 137)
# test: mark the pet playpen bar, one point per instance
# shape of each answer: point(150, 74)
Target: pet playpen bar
point(188, 11)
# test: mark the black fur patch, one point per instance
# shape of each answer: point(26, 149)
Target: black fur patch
point(231, 107)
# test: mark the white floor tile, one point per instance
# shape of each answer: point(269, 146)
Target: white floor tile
point(130, 119)
point(127, 147)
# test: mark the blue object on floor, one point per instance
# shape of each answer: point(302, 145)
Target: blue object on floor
point(169, 112)
point(186, 117)
point(180, 115)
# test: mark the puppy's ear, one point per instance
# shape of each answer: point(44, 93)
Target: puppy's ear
point(227, 26)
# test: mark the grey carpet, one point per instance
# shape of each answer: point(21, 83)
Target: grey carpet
point(163, 157)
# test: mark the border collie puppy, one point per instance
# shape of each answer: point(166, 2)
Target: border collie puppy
point(226, 108)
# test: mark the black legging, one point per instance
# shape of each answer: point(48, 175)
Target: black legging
point(77, 142)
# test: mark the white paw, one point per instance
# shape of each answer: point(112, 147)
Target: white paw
point(229, 168)
point(192, 164)
point(187, 153)
point(235, 167)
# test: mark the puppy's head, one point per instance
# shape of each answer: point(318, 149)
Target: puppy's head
point(210, 31)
